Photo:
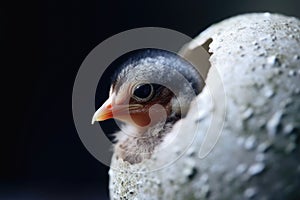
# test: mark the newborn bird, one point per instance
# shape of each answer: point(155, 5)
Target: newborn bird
point(149, 93)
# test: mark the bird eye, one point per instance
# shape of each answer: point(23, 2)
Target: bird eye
point(143, 92)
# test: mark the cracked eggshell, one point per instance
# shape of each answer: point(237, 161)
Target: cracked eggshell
point(253, 96)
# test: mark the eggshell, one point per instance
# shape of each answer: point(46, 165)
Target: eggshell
point(240, 139)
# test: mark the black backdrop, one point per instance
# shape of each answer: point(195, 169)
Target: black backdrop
point(43, 44)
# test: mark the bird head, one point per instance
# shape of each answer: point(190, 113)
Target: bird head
point(152, 86)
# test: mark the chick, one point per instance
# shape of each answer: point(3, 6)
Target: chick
point(149, 93)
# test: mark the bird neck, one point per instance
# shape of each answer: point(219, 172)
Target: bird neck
point(135, 145)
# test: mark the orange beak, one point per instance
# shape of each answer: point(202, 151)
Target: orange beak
point(112, 110)
point(104, 112)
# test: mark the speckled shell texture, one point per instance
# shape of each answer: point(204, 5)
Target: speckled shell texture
point(253, 97)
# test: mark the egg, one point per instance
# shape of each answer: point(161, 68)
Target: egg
point(243, 140)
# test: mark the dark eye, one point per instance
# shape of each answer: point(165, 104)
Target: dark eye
point(143, 92)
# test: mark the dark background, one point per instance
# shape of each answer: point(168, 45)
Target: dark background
point(43, 44)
